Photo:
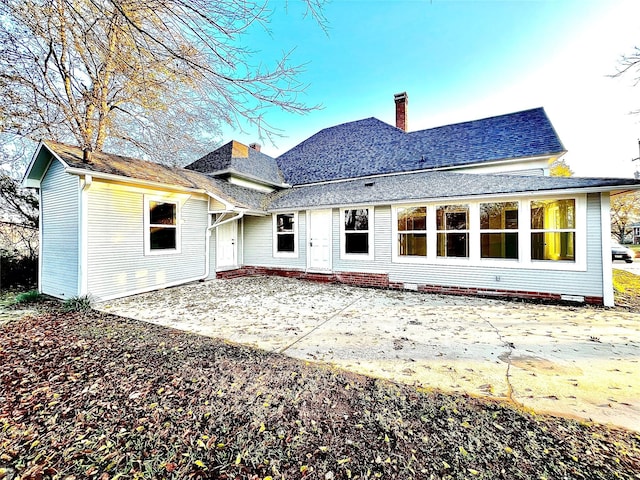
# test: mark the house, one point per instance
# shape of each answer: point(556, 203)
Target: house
point(635, 233)
point(467, 208)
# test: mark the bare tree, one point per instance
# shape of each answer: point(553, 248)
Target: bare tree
point(625, 210)
point(154, 77)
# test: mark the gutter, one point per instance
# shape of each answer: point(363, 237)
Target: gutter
point(146, 183)
point(457, 198)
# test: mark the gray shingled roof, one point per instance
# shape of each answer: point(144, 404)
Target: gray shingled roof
point(371, 147)
point(234, 157)
point(431, 186)
point(134, 168)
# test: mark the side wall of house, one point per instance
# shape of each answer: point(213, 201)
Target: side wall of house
point(480, 279)
point(549, 281)
point(258, 244)
point(117, 262)
point(59, 195)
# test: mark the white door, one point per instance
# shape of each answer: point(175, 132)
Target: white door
point(319, 240)
point(226, 245)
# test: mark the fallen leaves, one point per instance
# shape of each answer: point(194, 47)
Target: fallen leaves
point(96, 396)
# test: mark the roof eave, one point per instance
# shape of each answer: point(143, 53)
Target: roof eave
point(457, 198)
point(152, 184)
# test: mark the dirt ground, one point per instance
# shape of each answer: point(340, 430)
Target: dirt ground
point(572, 360)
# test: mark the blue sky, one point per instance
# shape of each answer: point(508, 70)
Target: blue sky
point(464, 60)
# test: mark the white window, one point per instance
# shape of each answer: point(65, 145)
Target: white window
point(161, 225)
point(499, 230)
point(452, 225)
point(553, 230)
point(548, 233)
point(412, 231)
point(356, 229)
point(285, 235)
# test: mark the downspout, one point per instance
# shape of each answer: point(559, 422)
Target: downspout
point(40, 223)
point(83, 273)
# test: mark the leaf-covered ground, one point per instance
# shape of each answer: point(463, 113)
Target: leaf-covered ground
point(94, 396)
point(626, 286)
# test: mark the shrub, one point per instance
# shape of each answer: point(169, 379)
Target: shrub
point(77, 304)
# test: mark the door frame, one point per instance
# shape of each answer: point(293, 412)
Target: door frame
point(329, 213)
point(234, 239)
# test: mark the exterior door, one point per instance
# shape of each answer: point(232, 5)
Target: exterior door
point(226, 245)
point(319, 237)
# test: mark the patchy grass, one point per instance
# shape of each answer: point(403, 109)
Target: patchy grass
point(626, 288)
point(97, 396)
point(32, 296)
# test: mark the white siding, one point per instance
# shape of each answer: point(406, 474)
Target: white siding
point(59, 194)
point(117, 264)
point(582, 283)
point(258, 243)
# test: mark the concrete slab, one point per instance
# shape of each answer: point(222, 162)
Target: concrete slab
point(577, 361)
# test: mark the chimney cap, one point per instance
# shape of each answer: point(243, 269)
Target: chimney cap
point(401, 97)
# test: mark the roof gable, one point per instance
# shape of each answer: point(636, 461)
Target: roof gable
point(371, 147)
point(236, 158)
point(123, 169)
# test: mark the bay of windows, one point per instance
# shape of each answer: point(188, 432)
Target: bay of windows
point(545, 231)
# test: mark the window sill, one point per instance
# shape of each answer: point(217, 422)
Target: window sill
point(356, 256)
point(285, 255)
point(494, 263)
point(155, 253)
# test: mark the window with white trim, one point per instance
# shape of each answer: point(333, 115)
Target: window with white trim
point(553, 230)
point(452, 226)
point(412, 231)
point(499, 230)
point(537, 233)
point(285, 231)
point(357, 233)
point(162, 226)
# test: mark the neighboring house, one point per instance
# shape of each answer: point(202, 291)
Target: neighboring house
point(464, 209)
point(635, 233)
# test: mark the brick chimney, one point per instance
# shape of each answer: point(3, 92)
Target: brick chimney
point(255, 146)
point(402, 104)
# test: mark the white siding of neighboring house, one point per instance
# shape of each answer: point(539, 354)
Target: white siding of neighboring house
point(59, 197)
point(117, 264)
point(580, 283)
point(258, 244)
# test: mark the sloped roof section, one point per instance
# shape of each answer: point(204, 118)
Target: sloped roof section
point(141, 170)
point(371, 147)
point(234, 157)
point(430, 186)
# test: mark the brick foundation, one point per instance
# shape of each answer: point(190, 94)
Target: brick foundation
point(381, 280)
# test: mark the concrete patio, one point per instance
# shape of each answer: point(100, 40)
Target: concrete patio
point(576, 361)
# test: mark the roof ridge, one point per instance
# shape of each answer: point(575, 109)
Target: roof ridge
point(491, 117)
